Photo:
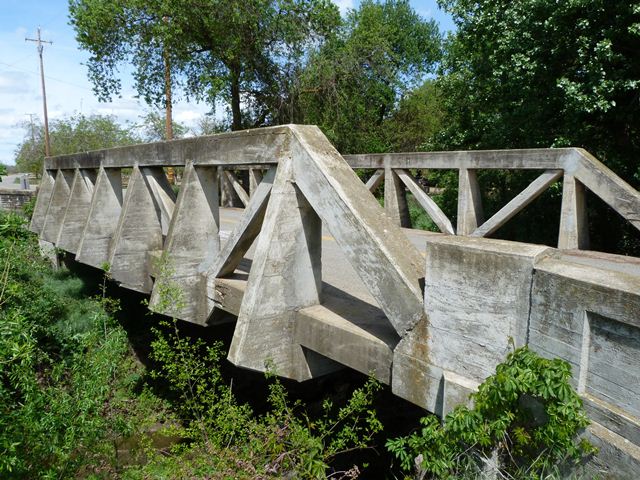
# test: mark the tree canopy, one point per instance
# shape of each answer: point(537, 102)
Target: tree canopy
point(71, 134)
point(541, 73)
point(354, 81)
point(243, 51)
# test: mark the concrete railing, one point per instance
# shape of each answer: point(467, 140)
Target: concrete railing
point(577, 168)
point(431, 327)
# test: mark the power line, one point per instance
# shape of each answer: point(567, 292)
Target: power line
point(39, 42)
point(48, 77)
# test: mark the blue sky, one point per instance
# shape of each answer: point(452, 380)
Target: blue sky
point(68, 89)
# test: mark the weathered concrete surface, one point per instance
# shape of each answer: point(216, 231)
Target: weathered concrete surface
point(244, 233)
point(467, 329)
point(598, 178)
point(12, 200)
point(192, 236)
point(395, 201)
point(533, 158)
point(363, 307)
point(77, 211)
point(57, 206)
point(349, 331)
point(102, 219)
point(282, 280)
point(369, 240)
point(470, 212)
point(574, 224)
point(42, 201)
point(586, 310)
point(139, 230)
point(261, 146)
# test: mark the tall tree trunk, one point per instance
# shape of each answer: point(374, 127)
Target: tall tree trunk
point(168, 100)
point(235, 98)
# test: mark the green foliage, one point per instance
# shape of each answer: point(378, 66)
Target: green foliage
point(191, 369)
point(416, 120)
point(3, 169)
point(542, 73)
point(526, 415)
point(283, 442)
point(153, 127)
point(70, 134)
point(66, 373)
point(215, 49)
point(354, 81)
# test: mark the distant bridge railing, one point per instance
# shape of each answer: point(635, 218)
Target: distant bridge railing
point(578, 170)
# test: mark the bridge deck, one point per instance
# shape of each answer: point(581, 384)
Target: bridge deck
point(349, 312)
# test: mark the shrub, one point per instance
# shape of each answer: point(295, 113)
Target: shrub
point(526, 416)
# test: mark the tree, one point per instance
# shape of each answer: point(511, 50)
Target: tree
point(354, 82)
point(243, 51)
point(75, 133)
point(153, 126)
point(417, 118)
point(542, 73)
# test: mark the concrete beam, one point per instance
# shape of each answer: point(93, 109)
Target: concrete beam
point(228, 195)
point(102, 219)
point(77, 211)
point(260, 146)
point(350, 332)
point(235, 184)
point(574, 224)
point(470, 213)
point(427, 203)
point(255, 177)
point(518, 203)
point(375, 180)
point(378, 251)
point(614, 191)
point(535, 158)
point(244, 234)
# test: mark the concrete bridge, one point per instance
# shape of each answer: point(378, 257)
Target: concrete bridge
point(320, 276)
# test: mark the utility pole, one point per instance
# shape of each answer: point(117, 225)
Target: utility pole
point(168, 102)
point(39, 42)
point(33, 134)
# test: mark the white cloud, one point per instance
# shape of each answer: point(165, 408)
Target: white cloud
point(13, 82)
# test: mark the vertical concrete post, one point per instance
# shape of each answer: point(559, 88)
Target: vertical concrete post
point(42, 201)
point(282, 280)
point(228, 195)
point(395, 201)
point(77, 211)
point(470, 214)
point(102, 219)
point(192, 237)
point(574, 224)
point(255, 177)
point(57, 206)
